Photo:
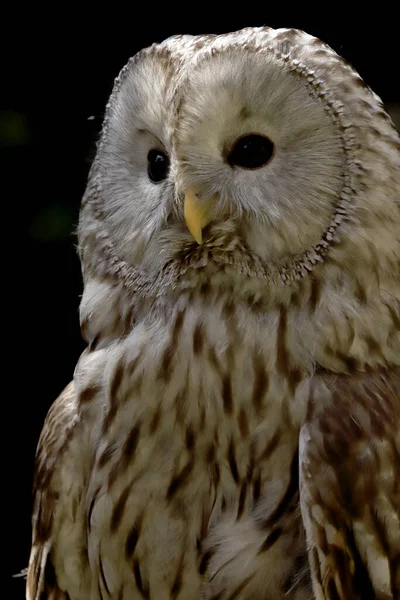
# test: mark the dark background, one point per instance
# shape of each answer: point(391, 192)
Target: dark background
point(58, 72)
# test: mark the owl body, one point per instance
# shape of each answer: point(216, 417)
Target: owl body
point(239, 396)
point(231, 445)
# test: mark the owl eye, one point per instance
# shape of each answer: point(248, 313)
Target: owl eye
point(251, 151)
point(157, 165)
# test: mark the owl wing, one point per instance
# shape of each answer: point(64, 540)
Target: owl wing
point(50, 467)
point(350, 489)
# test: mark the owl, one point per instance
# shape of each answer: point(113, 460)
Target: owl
point(232, 430)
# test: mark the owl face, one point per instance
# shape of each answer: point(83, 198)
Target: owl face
point(254, 134)
point(250, 135)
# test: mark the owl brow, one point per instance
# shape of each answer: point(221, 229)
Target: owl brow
point(144, 131)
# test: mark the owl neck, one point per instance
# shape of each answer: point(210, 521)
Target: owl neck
point(330, 316)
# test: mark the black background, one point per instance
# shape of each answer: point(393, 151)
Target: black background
point(59, 70)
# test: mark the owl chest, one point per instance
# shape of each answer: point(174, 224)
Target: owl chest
point(225, 415)
point(198, 452)
point(210, 392)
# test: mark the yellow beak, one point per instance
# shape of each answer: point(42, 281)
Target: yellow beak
point(197, 214)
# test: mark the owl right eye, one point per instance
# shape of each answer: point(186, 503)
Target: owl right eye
point(157, 165)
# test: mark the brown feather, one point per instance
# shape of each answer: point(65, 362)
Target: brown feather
point(350, 488)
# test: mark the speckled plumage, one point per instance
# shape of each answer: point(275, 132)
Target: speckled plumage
point(239, 400)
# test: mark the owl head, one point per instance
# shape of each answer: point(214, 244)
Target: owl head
point(257, 155)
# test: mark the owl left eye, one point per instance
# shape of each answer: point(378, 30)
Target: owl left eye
point(157, 165)
point(251, 151)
